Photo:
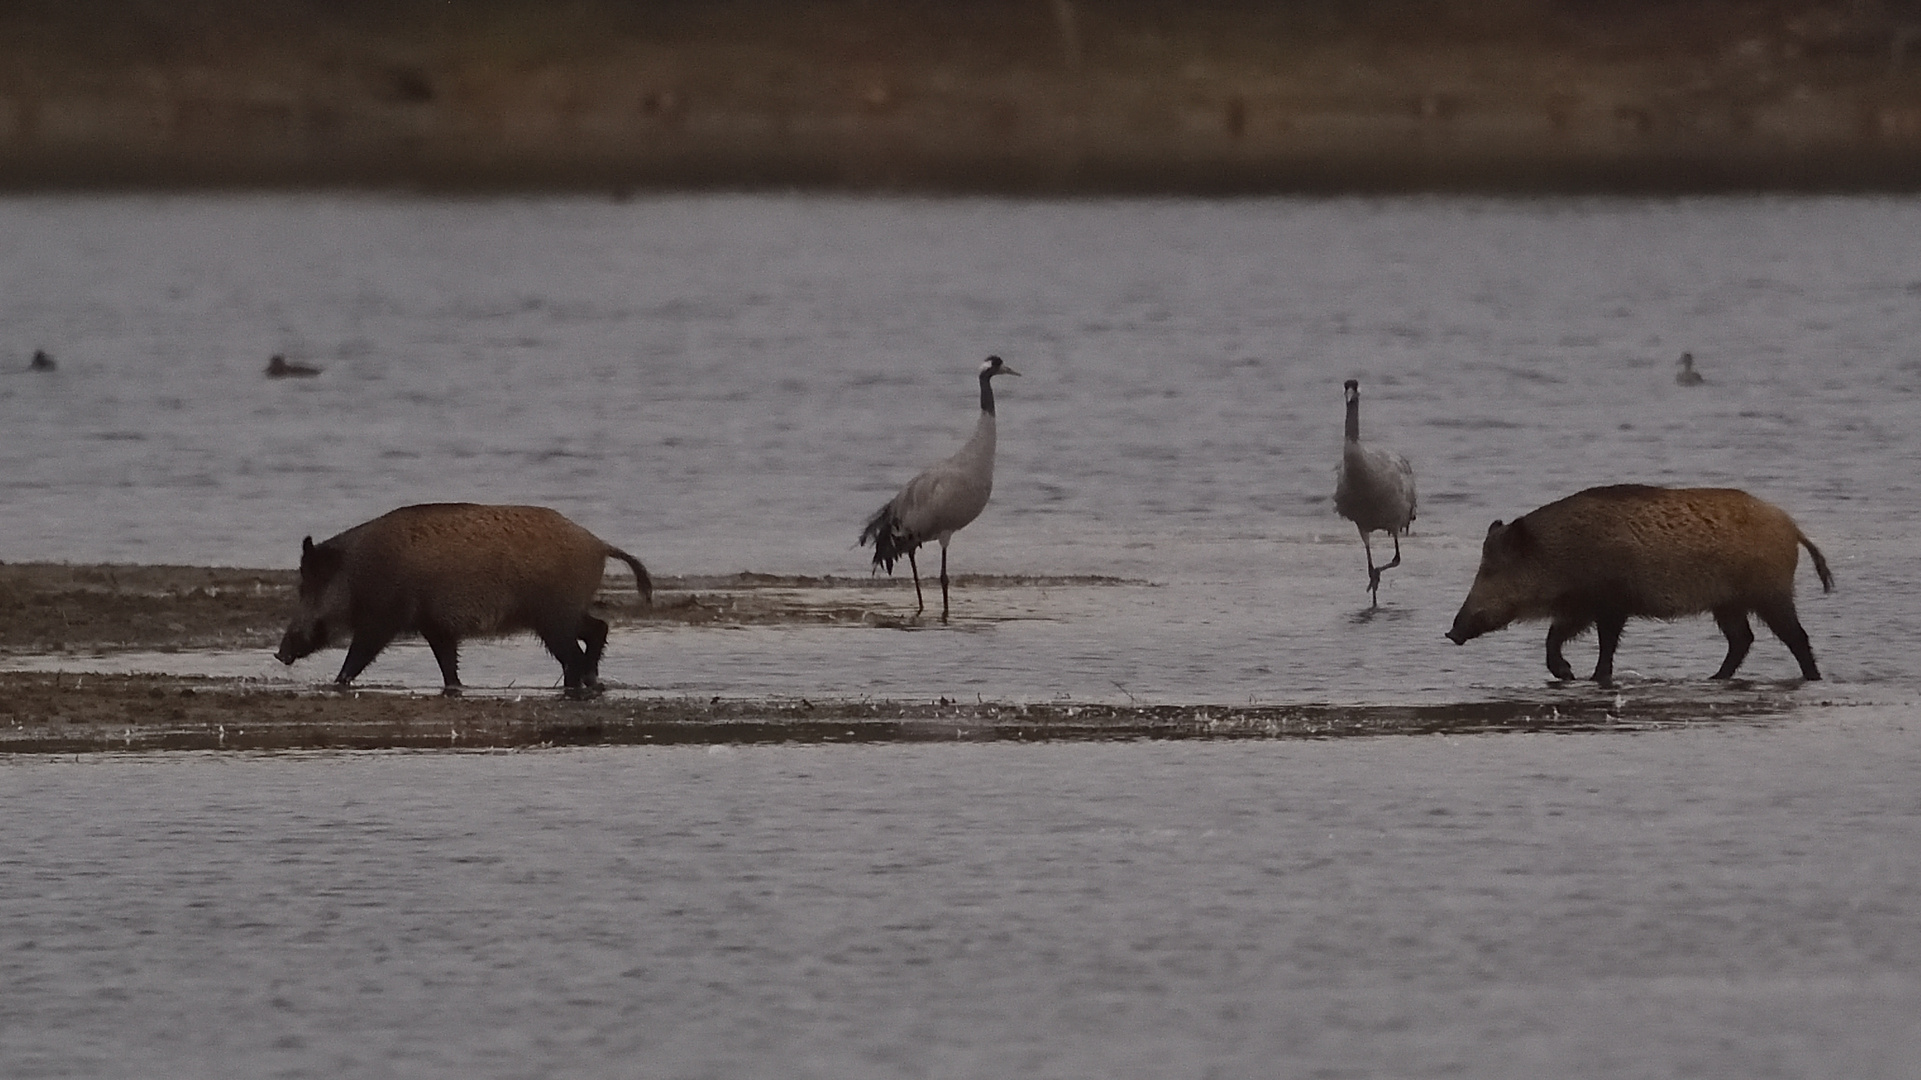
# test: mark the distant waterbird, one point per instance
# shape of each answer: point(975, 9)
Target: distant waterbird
point(280, 368)
point(940, 501)
point(41, 361)
point(1374, 489)
point(1687, 376)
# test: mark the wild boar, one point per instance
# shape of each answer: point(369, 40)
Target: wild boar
point(450, 571)
point(1608, 554)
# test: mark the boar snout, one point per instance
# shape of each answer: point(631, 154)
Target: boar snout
point(301, 642)
point(1468, 626)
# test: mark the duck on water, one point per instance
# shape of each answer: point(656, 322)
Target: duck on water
point(280, 368)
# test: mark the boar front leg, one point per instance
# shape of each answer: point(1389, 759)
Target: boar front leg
point(1559, 633)
point(1609, 626)
point(361, 651)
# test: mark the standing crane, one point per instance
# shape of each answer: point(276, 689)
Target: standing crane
point(942, 500)
point(1374, 489)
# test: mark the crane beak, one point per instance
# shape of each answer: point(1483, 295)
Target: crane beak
point(1005, 370)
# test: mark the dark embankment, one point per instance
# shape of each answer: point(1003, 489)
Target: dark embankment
point(74, 713)
point(1017, 96)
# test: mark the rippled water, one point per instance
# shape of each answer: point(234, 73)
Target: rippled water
point(1713, 901)
point(733, 383)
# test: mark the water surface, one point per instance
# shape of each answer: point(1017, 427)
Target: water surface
point(725, 383)
point(734, 383)
point(1719, 901)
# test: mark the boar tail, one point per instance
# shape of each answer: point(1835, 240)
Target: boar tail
point(646, 584)
point(1820, 562)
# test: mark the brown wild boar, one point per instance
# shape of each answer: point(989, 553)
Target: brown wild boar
point(449, 571)
point(1608, 554)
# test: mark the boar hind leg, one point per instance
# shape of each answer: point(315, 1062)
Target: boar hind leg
point(593, 634)
point(1559, 633)
point(1733, 622)
point(361, 651)
point(573, 662)
point(1609, 627)
point(446, 649)
point(1780, 617)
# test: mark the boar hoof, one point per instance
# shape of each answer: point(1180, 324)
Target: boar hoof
point(450, 691)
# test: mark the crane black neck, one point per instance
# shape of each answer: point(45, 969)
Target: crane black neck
point(987, 392)
point(1354, 418)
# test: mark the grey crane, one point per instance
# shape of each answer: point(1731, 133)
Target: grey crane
point(1687, 376)
point(1374, 489)
point(942, 500)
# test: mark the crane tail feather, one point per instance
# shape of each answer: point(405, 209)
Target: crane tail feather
point(892, 542)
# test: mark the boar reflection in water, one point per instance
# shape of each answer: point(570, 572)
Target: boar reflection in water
point(1608, 554)
point(450, 571)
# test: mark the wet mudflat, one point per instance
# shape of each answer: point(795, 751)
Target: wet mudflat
point(70, 713)
point(149, 658)
point(58, 607)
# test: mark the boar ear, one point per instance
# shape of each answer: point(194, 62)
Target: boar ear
point(1516, 536)
point(1494, 528)
point(317, 563)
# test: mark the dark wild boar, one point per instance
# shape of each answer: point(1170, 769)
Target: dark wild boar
point(1608, 554)
point(450, 571)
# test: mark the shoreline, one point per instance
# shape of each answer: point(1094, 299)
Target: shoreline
point(42, 713)
point(1065, 98)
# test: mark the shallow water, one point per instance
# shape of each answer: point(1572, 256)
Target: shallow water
point(734, 383)
point(1708, 901)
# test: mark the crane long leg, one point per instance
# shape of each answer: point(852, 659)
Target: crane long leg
point(943, 583)
point(1373, 574)
point(915, 567)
